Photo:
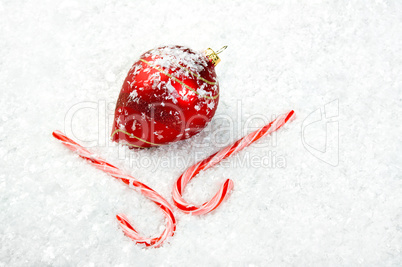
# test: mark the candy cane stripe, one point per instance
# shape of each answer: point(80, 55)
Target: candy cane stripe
point(214, 159)
point(148, 192)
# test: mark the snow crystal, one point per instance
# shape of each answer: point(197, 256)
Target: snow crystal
point(211, 104)
point(133, 95)
point(170, 87)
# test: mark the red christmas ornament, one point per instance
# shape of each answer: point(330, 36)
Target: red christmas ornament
point(169, 94)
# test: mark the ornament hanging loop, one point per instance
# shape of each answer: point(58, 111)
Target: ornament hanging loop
point(221, 50)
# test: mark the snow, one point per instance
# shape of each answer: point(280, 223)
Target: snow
point(329, 192)
point(172, 57)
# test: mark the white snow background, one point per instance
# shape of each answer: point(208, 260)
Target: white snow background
point(57, 210)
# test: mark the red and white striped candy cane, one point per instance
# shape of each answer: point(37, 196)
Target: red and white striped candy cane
point(214, 159)
point(128, 229)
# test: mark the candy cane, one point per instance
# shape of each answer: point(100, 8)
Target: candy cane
point(128, 229)
point(214, 159)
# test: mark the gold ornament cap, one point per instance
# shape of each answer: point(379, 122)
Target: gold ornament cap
point(213, 56)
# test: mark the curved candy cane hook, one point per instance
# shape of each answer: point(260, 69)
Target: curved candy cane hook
point(128, 229)
point(214, 159)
